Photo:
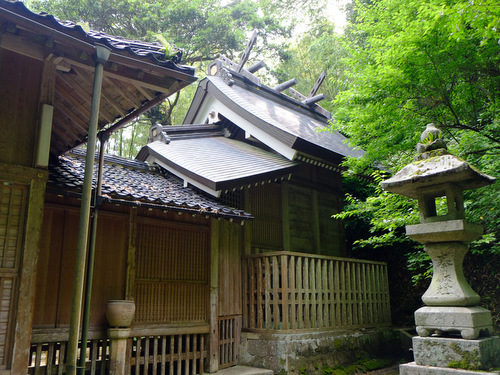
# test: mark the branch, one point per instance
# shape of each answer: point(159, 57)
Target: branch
point(467, 127)
point(483, 151)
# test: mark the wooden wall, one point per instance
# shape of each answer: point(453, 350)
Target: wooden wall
point(159, 259)
point(172, 272)
point(264, 203)
point(296, 215)
point(56, 265)
point(18, 106)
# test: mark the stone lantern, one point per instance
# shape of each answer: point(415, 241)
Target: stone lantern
point(452, 329)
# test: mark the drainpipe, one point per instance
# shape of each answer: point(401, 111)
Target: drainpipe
point(101, 56)
point(103, 138)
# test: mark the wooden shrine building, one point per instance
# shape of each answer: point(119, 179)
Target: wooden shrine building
point(220, 232)
point(272, 155)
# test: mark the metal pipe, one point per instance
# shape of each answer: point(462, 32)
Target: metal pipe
point(90, 261)
point(101, 56)
point(133, 115)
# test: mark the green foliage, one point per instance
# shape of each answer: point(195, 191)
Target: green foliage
point(319, 49)
point(417, 62)
point(410, 63)
point(361, 366)
point(386, 214)
point(203, 29)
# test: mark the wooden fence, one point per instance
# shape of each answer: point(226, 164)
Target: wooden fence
point(181, 351)
point(49, 349)
point(286, 291)
point(151, 350)
point(229, 337)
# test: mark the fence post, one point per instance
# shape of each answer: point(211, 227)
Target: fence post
point(118, 350)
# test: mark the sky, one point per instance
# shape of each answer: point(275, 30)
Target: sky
point(336, 14)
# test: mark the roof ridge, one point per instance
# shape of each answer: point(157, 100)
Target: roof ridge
point(114, 159)
point(225, 68)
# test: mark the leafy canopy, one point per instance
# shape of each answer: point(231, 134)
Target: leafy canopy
point(203, 29)
point(415, 62)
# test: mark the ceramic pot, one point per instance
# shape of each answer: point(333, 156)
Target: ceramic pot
point(120, 313)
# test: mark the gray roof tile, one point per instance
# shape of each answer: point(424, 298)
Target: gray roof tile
point(136, 182)
point(218, 162)
point(280, 116)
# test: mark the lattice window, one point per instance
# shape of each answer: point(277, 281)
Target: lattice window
point(265, 206)
point(233, 199)
point(172, 274)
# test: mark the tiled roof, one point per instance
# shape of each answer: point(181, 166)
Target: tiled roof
point(217, 163)
point(280, 117)
point(136, 49)
point(134, 181)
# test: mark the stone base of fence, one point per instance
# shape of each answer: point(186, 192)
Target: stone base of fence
point(292, 353)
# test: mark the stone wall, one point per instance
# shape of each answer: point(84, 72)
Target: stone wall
point(291, 353)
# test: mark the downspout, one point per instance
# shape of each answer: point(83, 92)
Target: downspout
point(101, 56)
point(103, 138)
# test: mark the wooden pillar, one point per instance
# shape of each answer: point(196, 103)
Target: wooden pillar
point(27, 283)
point(131, 265)
point(213, 362)
point(247, 232)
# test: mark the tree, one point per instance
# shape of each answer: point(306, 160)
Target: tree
point(202, 29)
point(317, 50)
point(413, 63)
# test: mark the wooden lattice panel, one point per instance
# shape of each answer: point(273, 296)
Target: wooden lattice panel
point(229, 337)
point(172, 273)
point(12, 208)
point(50, 357)
point(265, 205)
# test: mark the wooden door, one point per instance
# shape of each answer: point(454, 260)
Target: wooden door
point(229, 293)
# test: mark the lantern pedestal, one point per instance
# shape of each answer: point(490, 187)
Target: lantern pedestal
point(469, 322)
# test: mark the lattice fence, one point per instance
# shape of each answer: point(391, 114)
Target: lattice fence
point(293, 291)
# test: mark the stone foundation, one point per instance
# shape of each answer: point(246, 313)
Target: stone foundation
point(291, 353)
point(414, 369)
point(483, 354)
